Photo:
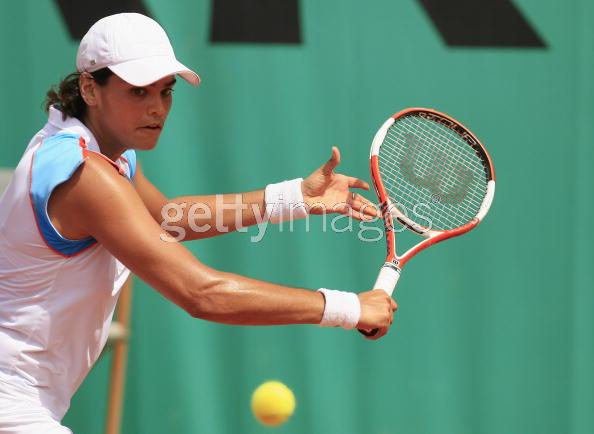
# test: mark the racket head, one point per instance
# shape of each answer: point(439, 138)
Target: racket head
point(432, 175)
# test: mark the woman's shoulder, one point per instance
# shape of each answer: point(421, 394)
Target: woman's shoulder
point(58, 154)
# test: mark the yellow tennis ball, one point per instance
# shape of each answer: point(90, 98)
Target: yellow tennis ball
point(273, 403)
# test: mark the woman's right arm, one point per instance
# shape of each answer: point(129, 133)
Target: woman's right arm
point(99, 202)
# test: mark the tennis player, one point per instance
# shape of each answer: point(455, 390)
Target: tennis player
point(79, 214)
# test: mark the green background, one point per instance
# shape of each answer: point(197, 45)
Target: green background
point(494, 333)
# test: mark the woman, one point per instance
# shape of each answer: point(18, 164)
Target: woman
point(79, 214)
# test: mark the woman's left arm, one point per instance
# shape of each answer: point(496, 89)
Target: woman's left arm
point(194, 217)
point(199, 217)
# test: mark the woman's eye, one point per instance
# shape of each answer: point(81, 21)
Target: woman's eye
point(167, 92)
point(138, 91)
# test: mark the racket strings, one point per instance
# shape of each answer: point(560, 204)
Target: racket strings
point(428, 213)
point(436, 201)
point(407, 205)
point(472, 194)
point(464, 156)
point(424, 163)
point(432, 169)
point(475, 201)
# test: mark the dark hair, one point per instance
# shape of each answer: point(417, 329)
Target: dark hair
point(66, 95)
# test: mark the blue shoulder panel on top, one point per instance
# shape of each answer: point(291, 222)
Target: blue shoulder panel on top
point(130, 155)
point(54, 162)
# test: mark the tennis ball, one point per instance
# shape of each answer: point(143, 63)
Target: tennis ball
point(273, 403)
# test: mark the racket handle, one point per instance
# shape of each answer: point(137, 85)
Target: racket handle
point(386, 280)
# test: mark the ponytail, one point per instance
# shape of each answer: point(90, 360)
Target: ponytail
point(66, 95)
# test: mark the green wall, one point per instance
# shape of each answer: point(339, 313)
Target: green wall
point(494, 333)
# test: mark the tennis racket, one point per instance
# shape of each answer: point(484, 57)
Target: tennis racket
point(432, 176)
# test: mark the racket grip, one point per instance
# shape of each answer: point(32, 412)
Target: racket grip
point(386, 281)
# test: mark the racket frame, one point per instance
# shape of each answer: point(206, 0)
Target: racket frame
point(390, 271)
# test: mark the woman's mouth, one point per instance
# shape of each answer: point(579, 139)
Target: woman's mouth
point(153, 126)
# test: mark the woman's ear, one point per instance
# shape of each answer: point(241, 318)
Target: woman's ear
point(88, 86)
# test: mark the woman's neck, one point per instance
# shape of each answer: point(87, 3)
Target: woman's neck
point(109, 147)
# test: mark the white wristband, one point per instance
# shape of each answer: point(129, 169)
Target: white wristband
point(284, 201)
point(342, 309)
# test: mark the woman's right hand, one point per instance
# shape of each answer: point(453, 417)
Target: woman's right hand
point(377, 312)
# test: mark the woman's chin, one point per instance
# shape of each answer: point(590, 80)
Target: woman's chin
point(145, 143)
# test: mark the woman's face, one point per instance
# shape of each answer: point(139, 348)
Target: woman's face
point(130, 116)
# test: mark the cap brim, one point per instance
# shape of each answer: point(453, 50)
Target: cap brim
point(145, 71)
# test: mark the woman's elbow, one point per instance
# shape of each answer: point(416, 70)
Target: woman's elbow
point(211, 300)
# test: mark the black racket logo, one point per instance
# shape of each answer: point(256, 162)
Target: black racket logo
point(432, 169)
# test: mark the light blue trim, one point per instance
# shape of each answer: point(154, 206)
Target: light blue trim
point(54, 162)
point(130, 155)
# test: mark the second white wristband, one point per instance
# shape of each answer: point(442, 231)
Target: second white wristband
point(342, 309)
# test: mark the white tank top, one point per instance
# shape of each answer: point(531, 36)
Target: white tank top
point(57, 296)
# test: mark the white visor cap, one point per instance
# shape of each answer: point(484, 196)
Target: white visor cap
point(135, 47)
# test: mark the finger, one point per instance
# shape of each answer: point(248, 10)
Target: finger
point(347, 208)
point(357, 183)
point(366, 201)
point(364, 206)
point(373, 336)
point(342, 208)
point(358, 207)
point(366, 332)
point(381, 333)
point(369, 213)
point(334, 161)
point(358, 216)
point(363, 217)
point(372, 208)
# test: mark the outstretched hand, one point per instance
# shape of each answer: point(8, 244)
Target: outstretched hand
point(325, 191)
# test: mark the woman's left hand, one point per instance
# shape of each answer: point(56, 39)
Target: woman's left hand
point(327, 192)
